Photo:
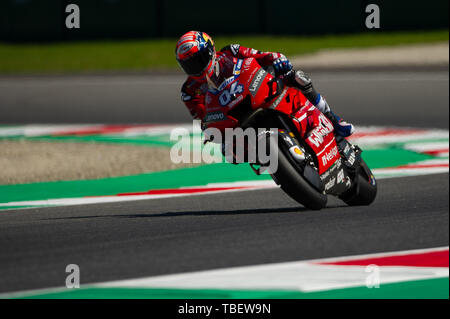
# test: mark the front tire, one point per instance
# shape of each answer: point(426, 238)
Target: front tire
point(293, 184)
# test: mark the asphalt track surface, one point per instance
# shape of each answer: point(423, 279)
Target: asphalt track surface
point(145, 238)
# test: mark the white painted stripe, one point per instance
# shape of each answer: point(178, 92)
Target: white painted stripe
point(434, 161)
point(390, 173)
point(307, 276)
point(252, 185)
point(300, 276)
point(426, 147)
point(37, 130)
point(44, 129)
point(255, 185)
point(407, 136)
point(152, 131)
point(41, 130)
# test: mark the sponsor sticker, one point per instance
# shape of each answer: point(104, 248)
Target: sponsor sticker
point(226, 82)
point(257, 81)
point(330, 183)
point(214, 117)
point(185, 48)
point(331, 170)
point(278, 100)
point(235, 48)
point(329, 156)
point(247, 63)
point(317, 135)
point(238, 100)
point(288, 140)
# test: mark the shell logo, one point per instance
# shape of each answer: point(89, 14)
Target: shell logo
point(298, 151)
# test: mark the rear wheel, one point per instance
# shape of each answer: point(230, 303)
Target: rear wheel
point(364, 190)
point(295, 185)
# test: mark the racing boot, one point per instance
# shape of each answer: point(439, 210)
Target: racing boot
point(341, 127)
point(302, 81)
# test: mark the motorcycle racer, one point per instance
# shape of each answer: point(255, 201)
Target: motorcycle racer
point(196, 54)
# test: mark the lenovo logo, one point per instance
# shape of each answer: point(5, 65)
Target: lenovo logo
point(256, 82)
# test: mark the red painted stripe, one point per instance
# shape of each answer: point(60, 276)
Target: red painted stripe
point(185, 190)
point(427, 259)
point(436, 152)
point(104, 129)
point(412, 166)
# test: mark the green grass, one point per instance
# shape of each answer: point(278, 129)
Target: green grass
point(146, 55)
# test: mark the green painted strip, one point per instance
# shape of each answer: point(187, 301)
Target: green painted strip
point(201, 175)
point(18, 207)
point(420, 289)
point(392, 157)
point(156, 140)
point(163, 140)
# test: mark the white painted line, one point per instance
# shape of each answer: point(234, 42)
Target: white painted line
point(392, 173)
point(399, 138)
point(253, 186)
point(429, 146)
point(404, 135)
point(300, 276)
point(115, 199)
point(306, 276)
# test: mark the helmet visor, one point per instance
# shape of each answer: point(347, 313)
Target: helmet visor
point(197, 63)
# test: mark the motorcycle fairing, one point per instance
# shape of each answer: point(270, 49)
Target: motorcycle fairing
point(263, 91)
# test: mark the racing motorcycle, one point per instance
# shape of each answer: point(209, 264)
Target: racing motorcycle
point(313, 162)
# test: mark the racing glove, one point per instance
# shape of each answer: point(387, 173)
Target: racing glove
point(282, 66)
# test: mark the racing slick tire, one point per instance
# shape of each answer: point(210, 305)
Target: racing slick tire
point(293, 184)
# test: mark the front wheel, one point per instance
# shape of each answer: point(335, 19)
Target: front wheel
point(293, 184)
point(364, 190)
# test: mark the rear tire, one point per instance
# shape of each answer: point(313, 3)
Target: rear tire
point(365, 189)
point(293, 184)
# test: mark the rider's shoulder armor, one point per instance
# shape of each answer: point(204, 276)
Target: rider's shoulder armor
point(233, 48)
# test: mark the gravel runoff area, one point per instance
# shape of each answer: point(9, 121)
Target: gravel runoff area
point(418, 55)
point(38, 161)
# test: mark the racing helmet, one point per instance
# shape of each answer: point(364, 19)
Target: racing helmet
point(196, 54)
